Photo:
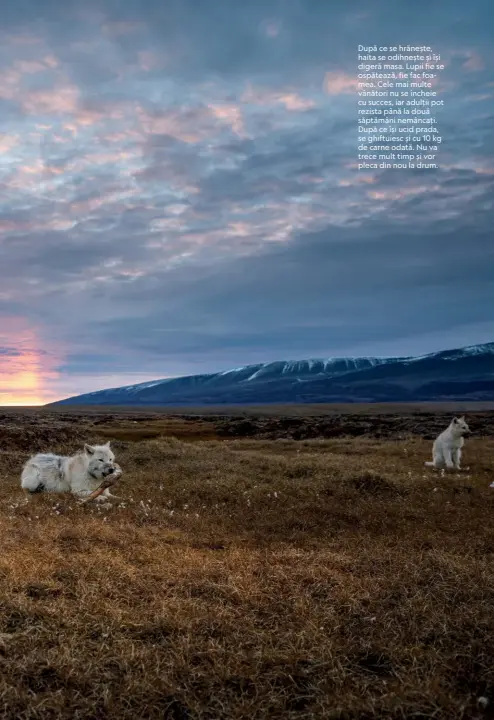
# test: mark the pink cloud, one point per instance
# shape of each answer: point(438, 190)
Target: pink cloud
point(337, 82)
point(231, 115)
point(85, 116)
point(170, 123)
point(148, 60)
point(15, 80)
point(112, 197)
point(358, 180)
point(9, 84)
point(28, 176)
point(29, 67)
point(290, 99)
point(473, 62)
point(294, 102)
point(271, 27)
point(51, 61)
point(273, 222)
point(309, 179)
point(59, 100)
point(56, 223)
point(62, 98)
point(393, 194)
point(7, 142)
point(192, 125)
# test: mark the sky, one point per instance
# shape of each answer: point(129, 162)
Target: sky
point(179, 192)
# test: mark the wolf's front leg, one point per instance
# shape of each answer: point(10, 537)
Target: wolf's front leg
point(448, 459)
point(456, 457)
point(108, 494)
point(102, 499)
point(81, 494)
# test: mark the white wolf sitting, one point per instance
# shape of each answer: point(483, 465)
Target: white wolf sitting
point(79, 474)
point(446, 451)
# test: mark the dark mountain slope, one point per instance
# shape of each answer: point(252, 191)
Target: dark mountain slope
point(461, 374)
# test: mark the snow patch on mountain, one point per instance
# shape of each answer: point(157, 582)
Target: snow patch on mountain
point(455, 354)
point(484, 349)
point(143, 386)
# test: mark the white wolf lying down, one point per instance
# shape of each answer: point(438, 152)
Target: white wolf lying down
point(79, 474)
point(446, 451)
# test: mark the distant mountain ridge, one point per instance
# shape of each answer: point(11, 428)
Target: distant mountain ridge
point(460, 374)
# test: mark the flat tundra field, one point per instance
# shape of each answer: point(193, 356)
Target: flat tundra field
point(259, 564)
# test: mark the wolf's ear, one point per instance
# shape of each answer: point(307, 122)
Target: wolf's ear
point(462, 419)
point(455, 420)
point(89, 449)
point(108, 444)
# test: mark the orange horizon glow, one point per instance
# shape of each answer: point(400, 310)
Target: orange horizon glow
point(24, 369)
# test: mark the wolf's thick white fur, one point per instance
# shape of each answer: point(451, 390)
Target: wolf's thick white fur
point(79, 474)
point(447, 447)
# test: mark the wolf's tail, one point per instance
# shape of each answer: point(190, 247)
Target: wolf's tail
point(430, 463)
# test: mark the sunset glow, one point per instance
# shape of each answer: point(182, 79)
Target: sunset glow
point(24, 370)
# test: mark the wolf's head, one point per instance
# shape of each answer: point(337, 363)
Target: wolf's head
point(100, 460)
point(459, 426)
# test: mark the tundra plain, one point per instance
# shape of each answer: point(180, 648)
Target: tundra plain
point(261, 563)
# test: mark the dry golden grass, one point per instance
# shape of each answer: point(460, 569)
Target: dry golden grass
point(252, 579)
